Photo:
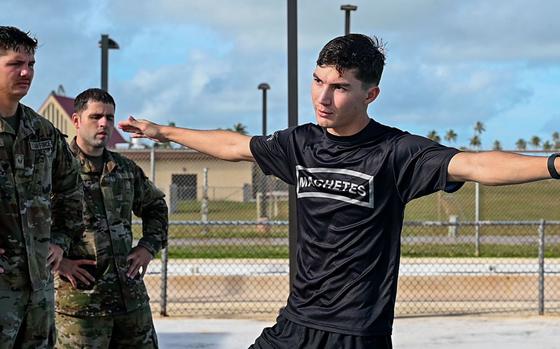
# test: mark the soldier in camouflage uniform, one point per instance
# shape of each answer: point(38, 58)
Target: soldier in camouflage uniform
point(101, 299)
point(40, 192)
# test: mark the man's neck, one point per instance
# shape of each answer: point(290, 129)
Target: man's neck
point(88, 150)
point(8, 108)
point(350, 130)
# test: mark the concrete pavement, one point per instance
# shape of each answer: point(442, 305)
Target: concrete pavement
point(458, 332)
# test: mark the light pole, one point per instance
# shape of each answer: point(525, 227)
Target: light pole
point(292, 121)
point(264, 180)
point(106, 43)
point(347, 9)
point(264, 87)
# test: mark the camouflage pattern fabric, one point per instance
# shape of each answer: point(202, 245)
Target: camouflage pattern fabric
point(44, 179)
point(40, 196)
point(27, 319)
point(133, 330)
point(110, 198)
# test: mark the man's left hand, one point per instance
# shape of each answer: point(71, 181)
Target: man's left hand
point(55, 256)
point(138, 258)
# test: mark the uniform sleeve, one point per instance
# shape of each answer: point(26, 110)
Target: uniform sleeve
point(67, 196)
point(149, 204)
point(420, 167)
point(273, 156)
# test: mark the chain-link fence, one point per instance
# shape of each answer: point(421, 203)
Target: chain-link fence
point(476, 250)
point(241, 268)
point(511, 267)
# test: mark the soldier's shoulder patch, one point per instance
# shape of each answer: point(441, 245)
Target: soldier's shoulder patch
point(41, 145)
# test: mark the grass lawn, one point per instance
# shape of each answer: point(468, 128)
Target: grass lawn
point(527, 202)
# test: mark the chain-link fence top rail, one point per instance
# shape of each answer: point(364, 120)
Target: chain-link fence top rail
point(228, 244)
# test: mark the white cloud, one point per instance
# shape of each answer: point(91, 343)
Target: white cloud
point(449, 63)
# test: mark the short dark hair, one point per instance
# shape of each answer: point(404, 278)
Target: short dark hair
point(355, 51)
point(94, 95)
point(11, 38)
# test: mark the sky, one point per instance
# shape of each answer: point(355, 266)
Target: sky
point(198, 63)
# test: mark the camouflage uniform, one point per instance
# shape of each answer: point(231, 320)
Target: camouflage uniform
point(111, 194)
point(38, 175)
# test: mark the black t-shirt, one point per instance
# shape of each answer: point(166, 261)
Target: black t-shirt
point(351, 195)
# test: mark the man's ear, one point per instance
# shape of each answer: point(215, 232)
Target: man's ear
point(372, 94)
point(76, 120)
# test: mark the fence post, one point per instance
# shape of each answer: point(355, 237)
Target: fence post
point(541, 267)
point(163, 296)
point(153, 164)
point(453, 226)
point(477, 219)
point(263, 211)
point(204, 205)
point(258, 205)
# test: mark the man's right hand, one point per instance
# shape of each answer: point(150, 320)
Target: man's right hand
point(72, 270)
point(142, 129)
point(1, 270)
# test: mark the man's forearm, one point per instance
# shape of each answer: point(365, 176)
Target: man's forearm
point(226, 145)
point(498, 168)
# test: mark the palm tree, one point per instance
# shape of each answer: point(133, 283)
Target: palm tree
point(434, 136)
point(556, 139)
point(536, 141)
point(239, 128)
point(497, 145)
point(475, 142)
point(521, 144)
point(450, 136)
point(547, 146)
point(479, 127)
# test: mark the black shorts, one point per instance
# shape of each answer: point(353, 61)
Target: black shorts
point(289, 335)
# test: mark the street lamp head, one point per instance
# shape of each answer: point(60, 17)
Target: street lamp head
point(111, 44)
point(348, 7)
point(264, 86)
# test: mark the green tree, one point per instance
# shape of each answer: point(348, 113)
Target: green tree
point(450, 136)
point(239, 128)
point(556, 139)
point(521, 144)
point(497, 145)
point(475, 142)
point(536, 142)
point(547, 146)
point(479, 128)
point(434, 136)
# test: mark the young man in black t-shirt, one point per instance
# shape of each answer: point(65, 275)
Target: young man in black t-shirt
point(353, 178)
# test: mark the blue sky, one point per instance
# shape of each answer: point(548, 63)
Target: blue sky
point(449, 63)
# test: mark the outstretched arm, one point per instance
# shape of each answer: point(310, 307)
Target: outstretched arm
point(226, 145)
point(498, 168)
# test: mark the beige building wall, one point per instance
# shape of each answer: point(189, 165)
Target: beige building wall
point(225, 179)
point(54, 112)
